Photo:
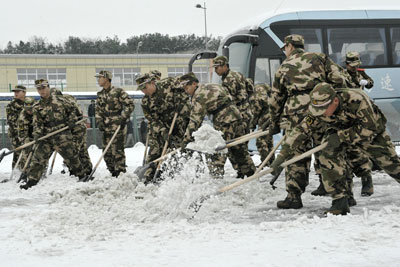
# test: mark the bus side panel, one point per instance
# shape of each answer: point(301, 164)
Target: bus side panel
point(387, 97)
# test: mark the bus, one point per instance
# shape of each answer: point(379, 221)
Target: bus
point(375, 33)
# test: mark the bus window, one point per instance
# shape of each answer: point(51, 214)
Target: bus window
point(312, 37)
point(265, 70)
point(369, 42)
point(395, 37)
point(239, 57)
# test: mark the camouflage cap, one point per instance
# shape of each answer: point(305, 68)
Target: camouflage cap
point(294, 39)
point(353, 59)
point(41, 83)
point(19, 88)
point(29, 101)
point(321, 96)
point(155, 73)
point(220, 61)
point(187, 78)
point(104, 73)
point(55, 91)
point(143, 79)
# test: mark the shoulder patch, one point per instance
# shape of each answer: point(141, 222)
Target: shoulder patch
point(310, 119)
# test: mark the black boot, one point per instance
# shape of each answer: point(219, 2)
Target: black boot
point(23, 178)
point(28, 184)
point(367, 188)
point(292, 201)
point(320, 191)
point(352, 201)
point(339, 207)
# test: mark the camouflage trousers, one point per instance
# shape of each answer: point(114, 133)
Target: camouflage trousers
point(297, 174)
point(80, 143)
point(15, 143)
point(238, 155)
point(334, 167)
point(265, 145)
point(63, 144)
point(156, 145)
point(25, 155)
point(115, 155)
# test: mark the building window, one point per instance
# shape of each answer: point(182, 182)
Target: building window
point(122, 76)
point(200, 72)
point(57, 77)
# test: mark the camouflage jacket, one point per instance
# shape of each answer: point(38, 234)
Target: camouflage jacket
point(356, 120)
point(52, 114)
point(259, 105)
point(112, 106)
point(236, 84)
point(354, 78)
point(13, 110)
point(80, 128)
point(159, 109)
point(212, 99)
point(25, 127)
point(295, 79)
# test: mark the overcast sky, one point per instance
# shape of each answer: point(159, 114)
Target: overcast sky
point(56, 20)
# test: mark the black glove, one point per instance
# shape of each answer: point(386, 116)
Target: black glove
point(274, 129)
point(122, 123)
point(276, 166)
point(28, 184)
point(333, 140)
point(71, 125)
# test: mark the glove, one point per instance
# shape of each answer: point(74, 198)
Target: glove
point(265, 126)
point(333, 140)
point(122, 123)
point(363, 82)
point(274, 129)
point(276, 165)
point(71, 125)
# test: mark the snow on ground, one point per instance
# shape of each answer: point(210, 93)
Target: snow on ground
point(121, 222)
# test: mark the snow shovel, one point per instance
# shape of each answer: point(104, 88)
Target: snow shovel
point(2, 155)
point(196, 205)
point(269, 156)
point(242, 139)
point(171, 128)
point(140, 170)
point(145, 148)
point(88, 178)
point(12, 171)
point(52, 163)
point(28, 160)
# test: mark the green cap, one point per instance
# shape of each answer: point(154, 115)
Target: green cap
point(143, 79)
point(104, 73)
point(220, 61)
point(29, 101)
point(155, 74)
point(188, 78)
point(19, 88)
point(321, 96)
point(353, 59)
point(41, 83)
point(294, 39)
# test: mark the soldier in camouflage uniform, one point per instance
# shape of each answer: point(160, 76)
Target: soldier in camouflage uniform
point(259, 105)
point(238, 88)
point(359, 163)
point(78, 132)
point(359, 79)
point(162, 100)
point(349, 118)
point(156, 74)
point(25, 129)
point(113, 109)
point(50, 114)
point(289, 100)
point(213, 99)
point(13, 110)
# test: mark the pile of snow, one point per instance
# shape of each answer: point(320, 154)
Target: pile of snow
point(206, 139)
